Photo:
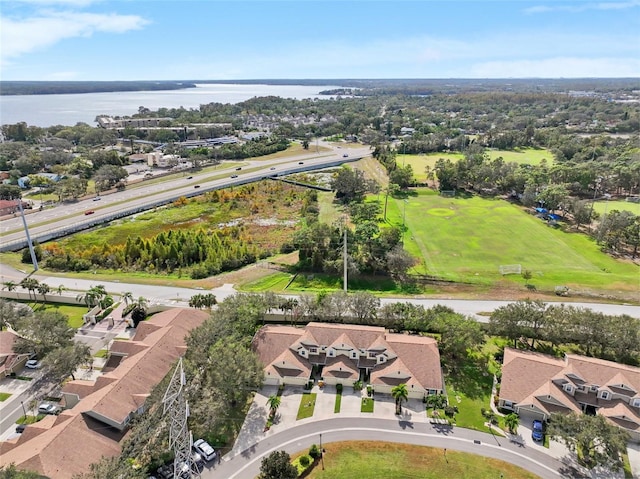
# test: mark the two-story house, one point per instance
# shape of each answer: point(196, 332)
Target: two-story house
point(344, 353)
point(537, 385)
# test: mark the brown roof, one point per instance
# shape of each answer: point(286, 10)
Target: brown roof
point(416, 357)
point(529, 378)
point(45, 446)
point(7, 339)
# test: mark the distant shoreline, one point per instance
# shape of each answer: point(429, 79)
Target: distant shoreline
point(410, 86)
point(12, 88)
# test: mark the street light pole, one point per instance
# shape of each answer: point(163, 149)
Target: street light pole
point(24, 410)
point(321, 452)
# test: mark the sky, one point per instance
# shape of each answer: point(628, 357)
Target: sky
point(269, 39)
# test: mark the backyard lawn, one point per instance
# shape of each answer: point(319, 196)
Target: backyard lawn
point(368, 459)
point(604, 206)
point(467, 239)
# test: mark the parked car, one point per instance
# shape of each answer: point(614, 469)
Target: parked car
point(203, 448)
point(33, 364)
point(20, 428)
point(48, 408)
point(536, 431)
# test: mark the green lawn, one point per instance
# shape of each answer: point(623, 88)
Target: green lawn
point(469, 389)
point(4, 396)
point(529, 156)
point(368, 459)
point(606, 206)
point(467, 239)
point(307, 405)
point(367, 405)
point(329, 211)
point(73, 312)
point(274, 282)
point(336, 407)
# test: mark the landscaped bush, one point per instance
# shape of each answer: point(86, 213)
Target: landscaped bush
point(305, 461)
point(339, 388)
point(314, 451)
point(450, 411)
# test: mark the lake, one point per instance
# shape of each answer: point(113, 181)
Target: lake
point(48, 110)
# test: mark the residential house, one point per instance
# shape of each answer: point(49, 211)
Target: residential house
point(98, 412)
point(10, 361)
point(538, 385)
point(344, 353)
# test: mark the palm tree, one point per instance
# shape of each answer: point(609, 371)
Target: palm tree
point(126, 297)
point(60, 289)
point(400, 394)
point(43, 289)
point(512, 421)
point(30, 284)
point(274, 403)
point(10, 285)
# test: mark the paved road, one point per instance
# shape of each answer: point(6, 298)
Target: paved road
point(147, 195)
point(299, 438)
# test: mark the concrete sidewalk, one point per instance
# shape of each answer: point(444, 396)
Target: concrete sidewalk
point(413, 414)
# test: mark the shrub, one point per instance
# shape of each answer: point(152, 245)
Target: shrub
point(314, 451)
point(369, 390)
point(449, 411)
point(304, 461)
point(339, 388)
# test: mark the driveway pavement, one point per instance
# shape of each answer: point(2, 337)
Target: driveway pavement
point(412, 427)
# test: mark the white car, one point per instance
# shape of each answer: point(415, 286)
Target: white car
point(33, 364)
point(48, 408)
point(203, 448)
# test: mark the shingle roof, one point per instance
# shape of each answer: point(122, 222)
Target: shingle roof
point(416, 357)
point(528, 377)
point(44, 446)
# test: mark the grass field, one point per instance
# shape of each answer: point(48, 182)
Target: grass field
point(529, 156)
point(4, 396)
point(307, 406)
point(467, 239)
point(606, 206)
point(368, 459)
point(367, 405)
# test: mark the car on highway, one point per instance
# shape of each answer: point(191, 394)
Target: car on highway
point(90, 212)
point(234, 176)
point(301, 162)
point(196, 186)
point(48, 408)
point(97, 198)
point(272, 168)
point(203, 448)
point(33, 364)
point(346, 155)
point(536, 431)
point(189, 177)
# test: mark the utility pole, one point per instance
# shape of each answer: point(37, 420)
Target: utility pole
point(34, 260)
point(344, 257)
point(180, 438)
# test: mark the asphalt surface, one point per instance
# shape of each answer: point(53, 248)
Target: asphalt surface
point(300, 438)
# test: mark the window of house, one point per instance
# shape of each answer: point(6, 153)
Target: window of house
point(354, 355)
point(313, 350)
point(594, 388)
point(372, 355)
point(636, 402)
point(330, 353)
point(568, 388)
point(604, 395)
point(508, 404)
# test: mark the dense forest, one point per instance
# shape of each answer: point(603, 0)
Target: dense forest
point(60, 87)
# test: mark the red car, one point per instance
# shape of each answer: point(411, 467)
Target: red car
point(90, 212)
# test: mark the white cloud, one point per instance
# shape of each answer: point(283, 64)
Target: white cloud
point(583, 7)
point(559, 67)
point(23, 35)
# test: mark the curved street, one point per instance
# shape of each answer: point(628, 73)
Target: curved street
point(246, 464)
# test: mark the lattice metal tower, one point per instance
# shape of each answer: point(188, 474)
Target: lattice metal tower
point(180, 438)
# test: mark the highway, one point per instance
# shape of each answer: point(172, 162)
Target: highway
point(70, 216)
